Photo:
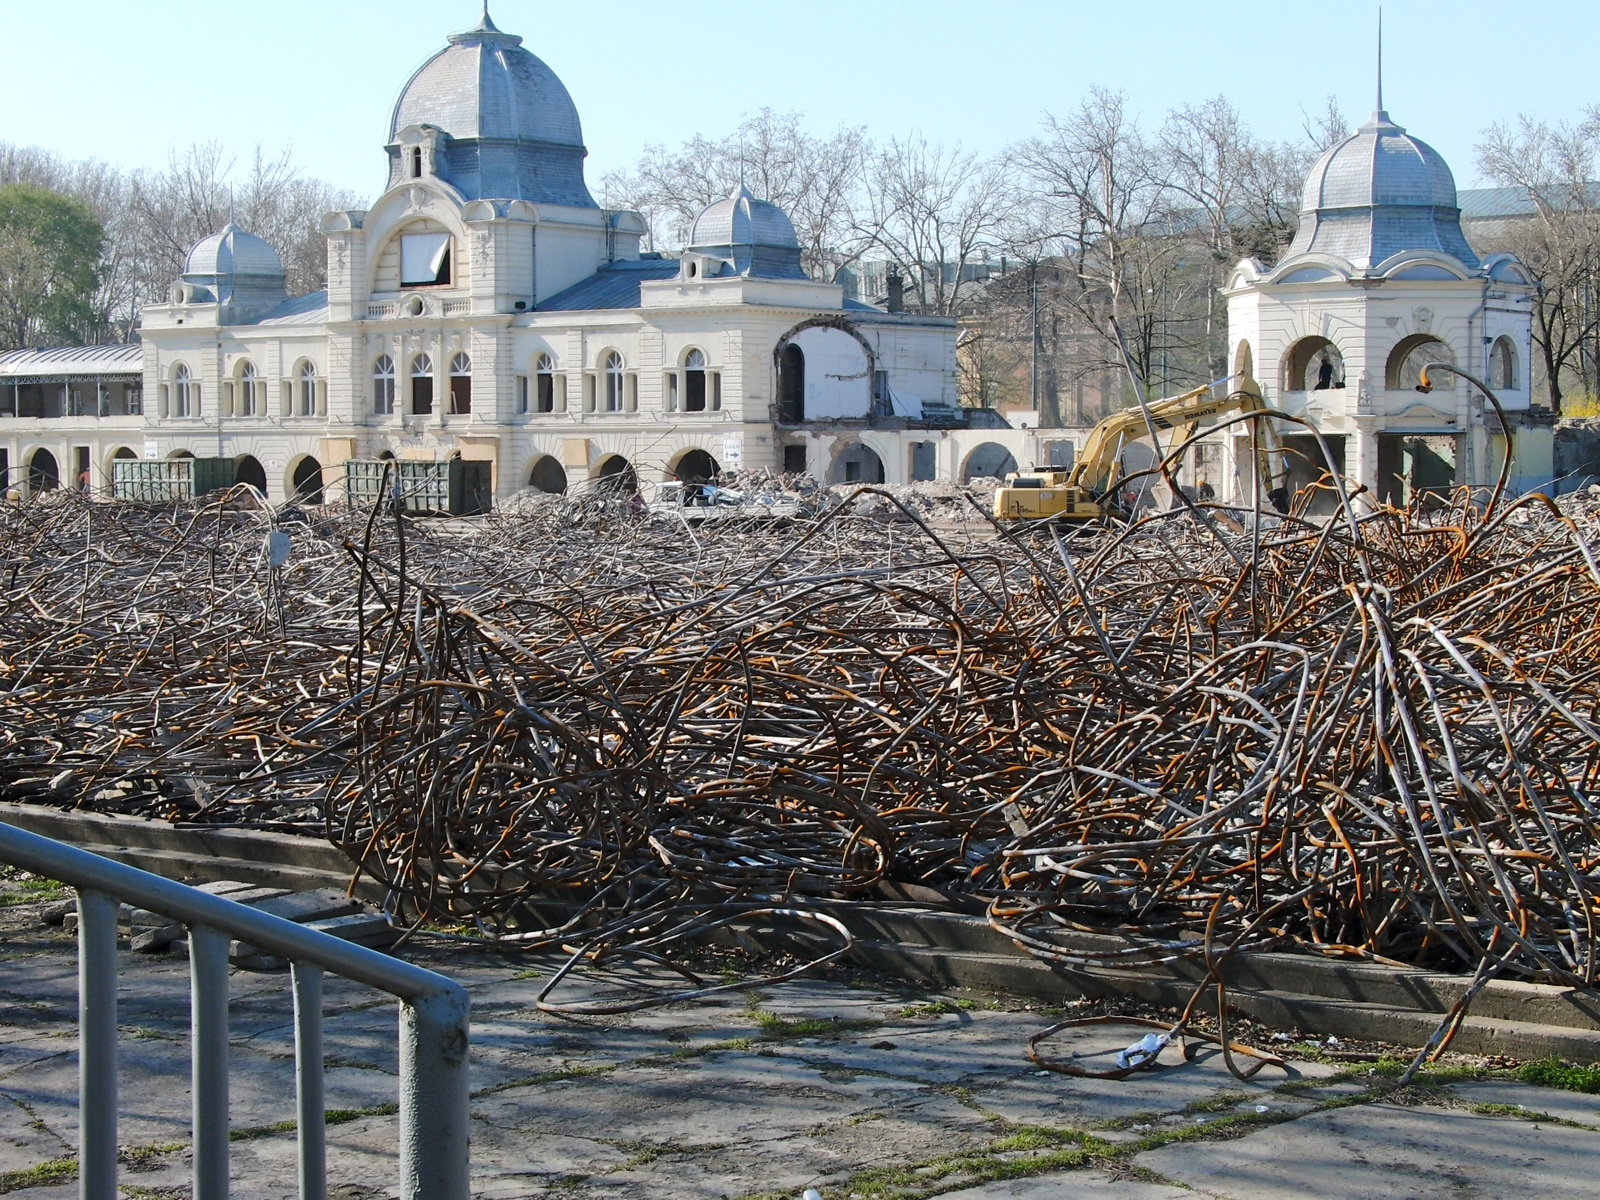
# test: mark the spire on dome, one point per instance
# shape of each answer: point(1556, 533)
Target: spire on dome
point(1378, 114)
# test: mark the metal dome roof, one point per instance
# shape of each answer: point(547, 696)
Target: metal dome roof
point(1379, 164)
point(739, 219)
point(233, 252)
point(1378, 193)
point(485, 85)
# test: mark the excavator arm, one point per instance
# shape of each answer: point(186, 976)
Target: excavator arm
point(1099, 468)
point(1086, 492)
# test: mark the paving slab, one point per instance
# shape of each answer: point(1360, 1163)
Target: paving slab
point(1071, 1185)
point(1387, 1152)
point(1577, 1107)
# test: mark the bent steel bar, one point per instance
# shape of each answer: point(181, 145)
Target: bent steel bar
point(434, 1016)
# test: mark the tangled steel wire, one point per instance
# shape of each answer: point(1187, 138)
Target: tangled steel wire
point(1371, 736)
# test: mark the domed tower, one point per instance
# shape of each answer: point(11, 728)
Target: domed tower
point(1378, 281)
point(750, 236)
point(235, 269)
point(493, 121)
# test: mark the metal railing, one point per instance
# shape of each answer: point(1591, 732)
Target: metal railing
point(433, 1027)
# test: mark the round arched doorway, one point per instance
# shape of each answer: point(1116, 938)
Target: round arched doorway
point(616, 475)
point(989, 460)
point(696, 466)
point(548, 475)
point(858, 464)
point(44, 474)
point(306, 481)
point(248, 469)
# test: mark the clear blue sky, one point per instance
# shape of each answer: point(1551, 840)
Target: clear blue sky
point(128, 81)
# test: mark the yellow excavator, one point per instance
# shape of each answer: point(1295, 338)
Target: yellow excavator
point(1087, 490)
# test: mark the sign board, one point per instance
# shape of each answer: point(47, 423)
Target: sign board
point(733, 452)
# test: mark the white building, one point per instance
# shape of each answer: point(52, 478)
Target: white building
point(1378, 282)
point(485, 306)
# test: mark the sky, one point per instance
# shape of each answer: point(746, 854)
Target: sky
point(128, 83)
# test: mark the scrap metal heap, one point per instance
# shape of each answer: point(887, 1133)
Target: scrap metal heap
point(1372, 736)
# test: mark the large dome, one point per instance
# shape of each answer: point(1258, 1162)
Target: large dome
point(233, 252)
point(485, 85)
point(1378, 193)
point(510, 129)
point(1379, 164)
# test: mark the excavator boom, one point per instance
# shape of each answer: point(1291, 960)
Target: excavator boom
point(1086, 492)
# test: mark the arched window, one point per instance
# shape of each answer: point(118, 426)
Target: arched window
point(615, 386)
point(306, 392)
point(694, 382)
point(792, 385)
point(383, 386)
point(1313, 364)
point(248, 394)
point(1406, 360)
point(421, 385)
point(460, 384)
point(545, 375)
point(1503, 365)
point(185, 393)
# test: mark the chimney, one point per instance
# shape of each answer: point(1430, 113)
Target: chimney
point(897, 291)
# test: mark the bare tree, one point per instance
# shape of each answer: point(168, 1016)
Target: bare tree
point(1324, 130)
point(201, 191)
point(152, 218)
point(1114, 224)
point(933, 211)
point(815, 180)
point(1559, 243)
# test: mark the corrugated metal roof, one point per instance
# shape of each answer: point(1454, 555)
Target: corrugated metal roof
point(124, 359)
point(615, 285)
point(310, 309)
point(1487, 204)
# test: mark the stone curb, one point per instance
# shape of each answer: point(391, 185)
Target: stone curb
point(942, 949)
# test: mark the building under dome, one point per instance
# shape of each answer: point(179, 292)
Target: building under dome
point(1379, 281)
point(484, 307)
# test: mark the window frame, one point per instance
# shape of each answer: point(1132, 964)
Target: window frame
point(544, 372)
point(305, 389)
point(696, 382)
point(425, 376)
point(613, 370)
point(460, 396)
point(182, 393)
point(383, 385)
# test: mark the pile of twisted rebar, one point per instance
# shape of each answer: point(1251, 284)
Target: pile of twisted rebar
point(1373, 735)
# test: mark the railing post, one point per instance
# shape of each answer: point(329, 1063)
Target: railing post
point(208, 1037)
point(310, 1109)
point(97, 1046)
point(434, 1162)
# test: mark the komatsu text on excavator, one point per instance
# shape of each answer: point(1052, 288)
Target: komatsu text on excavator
point(1088, 489)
